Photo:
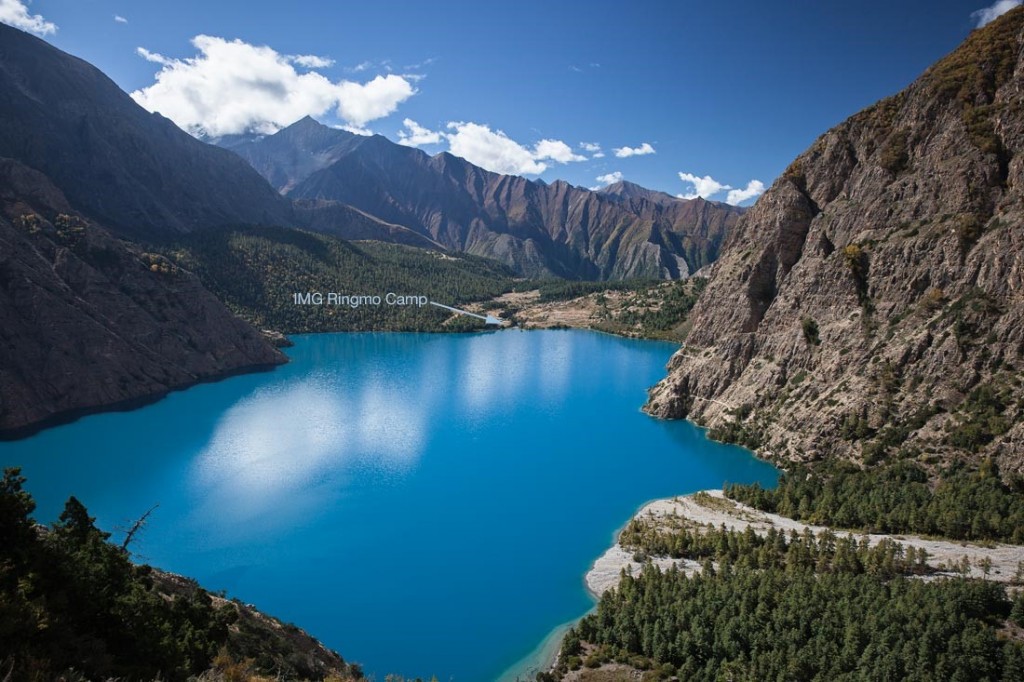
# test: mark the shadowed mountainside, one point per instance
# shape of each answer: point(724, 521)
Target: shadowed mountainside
point(132, 171)
point(89, 321)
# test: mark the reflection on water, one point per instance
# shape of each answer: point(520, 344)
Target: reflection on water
point(554, 364)
point(425, 504)
point(295, 435)
point(273, 443)
point(280, 441)
point(492, 371)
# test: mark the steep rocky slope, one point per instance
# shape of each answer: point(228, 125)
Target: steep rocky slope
point(89, 321)
point(871, 304)
point(538, 229)
point(342, 220)
point(133, 171)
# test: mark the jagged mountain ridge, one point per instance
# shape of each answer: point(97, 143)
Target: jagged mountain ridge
point(871, 304)
point(132, 171)
point(624, 189)
point(538, 228)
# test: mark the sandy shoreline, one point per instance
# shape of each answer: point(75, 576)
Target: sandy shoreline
point(605, 572)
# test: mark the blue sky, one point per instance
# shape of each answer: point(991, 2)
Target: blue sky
point(728, 90)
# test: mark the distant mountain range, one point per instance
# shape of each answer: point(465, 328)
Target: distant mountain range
point(539, 229)
point(139, 175)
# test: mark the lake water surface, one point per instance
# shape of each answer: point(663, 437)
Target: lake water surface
point(425, 504)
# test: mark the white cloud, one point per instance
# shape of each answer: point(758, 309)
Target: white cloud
point(997, 9)
point(593, 148)
point(119, 19)
point(754, 188)
point(378, 66)
point(231, 87)
point(496, 151)
point(492, 149)
point(154, 57)
point(420, 65)
point(310, 61)
point(703, 187)
point(15, 13)
point(415, 135)
point(360, 103)
point(556, 150)
point(355, 130)
point(642, 150)
point(608, 179)
point(706, 187)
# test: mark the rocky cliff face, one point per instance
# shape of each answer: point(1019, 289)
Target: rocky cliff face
point(538, 229)
point(88, 321)
point(871, 304)
point(132, 171)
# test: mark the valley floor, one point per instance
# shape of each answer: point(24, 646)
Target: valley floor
point(531, 313)
point(638, 311)
point(713, 508)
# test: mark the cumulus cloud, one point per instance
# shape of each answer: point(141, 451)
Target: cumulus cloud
point(415, 135)
point(703, 187)
point(496, 151)
point(231, 86)
point(492, 149)
point(556, 150)
point(706, 187)
point(592, 148)
point(15, 13)
point(119, 19)
point(607, 179)
point(642, 150)
point(310, 61)
point(754, 188)
point(997, 9)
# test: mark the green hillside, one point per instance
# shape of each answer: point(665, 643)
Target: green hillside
point(257, 272)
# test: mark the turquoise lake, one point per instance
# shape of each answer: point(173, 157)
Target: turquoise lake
point(425, 504)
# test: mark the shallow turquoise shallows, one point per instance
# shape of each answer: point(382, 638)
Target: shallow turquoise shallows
point(424, 504)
